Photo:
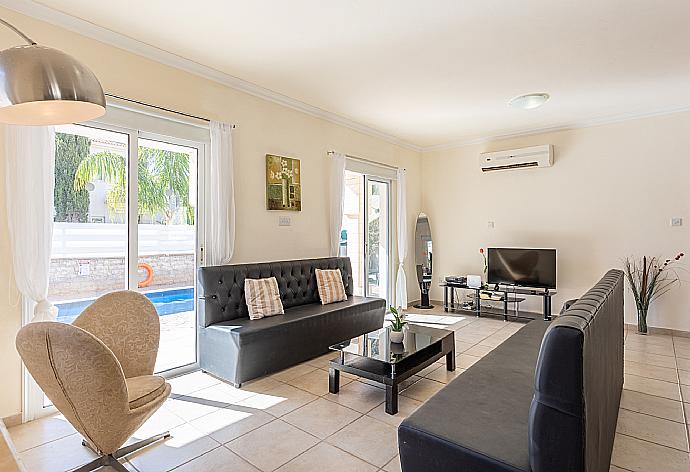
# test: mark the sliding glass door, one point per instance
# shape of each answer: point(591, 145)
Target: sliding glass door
point(365, 235)
point(166, 235)
point(126, 218)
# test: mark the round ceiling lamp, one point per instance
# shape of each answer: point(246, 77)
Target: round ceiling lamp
point(44, 86)
point(529, 101)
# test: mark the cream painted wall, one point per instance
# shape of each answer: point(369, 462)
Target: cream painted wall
point(264, 127)
point(611, 193)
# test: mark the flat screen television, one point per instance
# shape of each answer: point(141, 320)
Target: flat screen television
point(524, 267)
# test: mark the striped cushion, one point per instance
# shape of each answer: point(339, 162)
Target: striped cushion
point(330, 285)
point(262, 297)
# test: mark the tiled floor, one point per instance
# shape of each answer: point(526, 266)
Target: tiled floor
point(289, 421)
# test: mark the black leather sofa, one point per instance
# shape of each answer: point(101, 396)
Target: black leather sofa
point(546, 400)
point(237, 349)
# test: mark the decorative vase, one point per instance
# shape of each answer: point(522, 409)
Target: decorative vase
point(641, 320)
point(397, 336)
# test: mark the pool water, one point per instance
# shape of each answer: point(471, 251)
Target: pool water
point(167, 302)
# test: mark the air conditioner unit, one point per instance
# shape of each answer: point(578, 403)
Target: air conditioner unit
point(535, 156)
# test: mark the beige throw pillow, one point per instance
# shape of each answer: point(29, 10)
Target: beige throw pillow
point(262, 297)
point(330, 285)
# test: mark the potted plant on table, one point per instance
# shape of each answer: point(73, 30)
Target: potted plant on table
point(649, 279)
point(397, 325)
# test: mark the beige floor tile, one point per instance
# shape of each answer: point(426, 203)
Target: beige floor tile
point(685, 392)
point(219, 459)
point(324, 457)
point(34, 433)
point(642, 456)
point(469, 338)
point(406, 406)
point(652, 387)
point(369, 439)
point(495, 339)
point(479, 350)
point(185, 444)
point(316, 382)
point(461, 346)
point(465, 362)
point(220, 395)
point(650, 359)
point(683, 364)
point(293, 372)
point(651, 405)
point(161, 421)
point(191, 382)
point(279, 401)
point(65, 453)
point(190, 408)
point(427, 370)
point(408, 382)
point(650, 348)
point(321, 362)
point(321, 417)
point(284, 441)
point(358, 396)
point(683, 353)
point(658, 339)
point(393, 465)
point(650, 428)
point(422, 390)
point(652, 372)
point(684, 377)
point(261, 385)
point(230, 423)
point(441, 374)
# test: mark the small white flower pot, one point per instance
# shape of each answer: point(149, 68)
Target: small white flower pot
point(397, 336)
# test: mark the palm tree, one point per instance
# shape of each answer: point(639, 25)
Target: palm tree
point(163, 180)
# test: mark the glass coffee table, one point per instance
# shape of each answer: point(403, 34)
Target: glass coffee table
point(372, 356)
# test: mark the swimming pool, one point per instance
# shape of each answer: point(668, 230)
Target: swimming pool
point(167, 302)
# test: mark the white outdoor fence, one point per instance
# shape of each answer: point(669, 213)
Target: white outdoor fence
point(94, 240)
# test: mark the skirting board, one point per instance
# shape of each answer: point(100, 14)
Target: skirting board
point(13, 420)
point(667, 331)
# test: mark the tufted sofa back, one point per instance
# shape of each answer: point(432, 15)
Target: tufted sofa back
point(223, 286)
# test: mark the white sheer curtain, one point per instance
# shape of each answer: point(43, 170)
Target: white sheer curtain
point(337, 187)
point(219, 223)
point(29, 184)
point(401, 280)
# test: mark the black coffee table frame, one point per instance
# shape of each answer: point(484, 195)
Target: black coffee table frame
point(392, 374)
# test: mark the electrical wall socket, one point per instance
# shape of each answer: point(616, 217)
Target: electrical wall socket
point(490, 224)
point(676, 221)
point(284, 221)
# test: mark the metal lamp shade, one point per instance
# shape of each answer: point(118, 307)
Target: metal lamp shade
point(44, 86)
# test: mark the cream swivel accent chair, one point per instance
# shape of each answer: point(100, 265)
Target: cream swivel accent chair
point(98, 372)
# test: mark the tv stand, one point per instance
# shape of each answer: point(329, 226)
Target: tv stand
point(449, 297)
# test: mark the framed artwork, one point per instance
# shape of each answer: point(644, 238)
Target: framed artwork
point(283, 183)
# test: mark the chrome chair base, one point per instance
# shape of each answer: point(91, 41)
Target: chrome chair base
point(112, 460)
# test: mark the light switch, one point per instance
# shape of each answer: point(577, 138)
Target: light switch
point(676, 221)
point(284, 221)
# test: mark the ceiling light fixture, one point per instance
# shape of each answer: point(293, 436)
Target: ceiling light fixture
point(44, 86)
point(529, 101)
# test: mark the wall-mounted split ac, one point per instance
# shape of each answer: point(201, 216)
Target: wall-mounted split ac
point(535, 156)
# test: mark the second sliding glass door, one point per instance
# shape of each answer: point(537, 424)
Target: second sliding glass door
point(365, 236)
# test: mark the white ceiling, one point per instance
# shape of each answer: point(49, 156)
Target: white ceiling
point(430, 72)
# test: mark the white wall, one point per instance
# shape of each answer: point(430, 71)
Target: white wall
point(264, 127)
point(611, 193)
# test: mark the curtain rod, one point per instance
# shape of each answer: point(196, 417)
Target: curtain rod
point(160, 108)
point(368, 161)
